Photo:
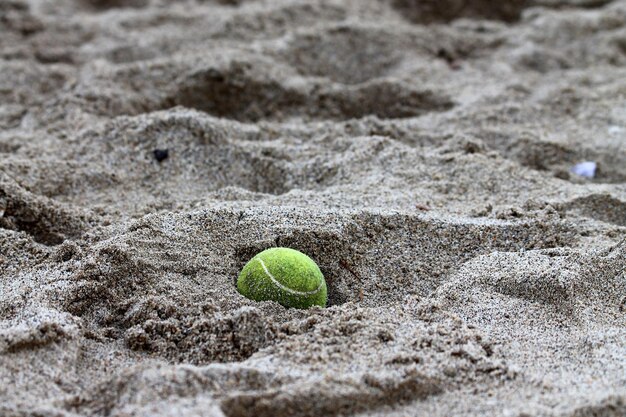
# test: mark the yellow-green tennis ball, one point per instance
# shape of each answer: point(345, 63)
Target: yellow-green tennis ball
point(283, 275)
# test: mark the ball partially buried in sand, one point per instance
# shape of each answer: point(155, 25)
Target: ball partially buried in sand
point(283, 275)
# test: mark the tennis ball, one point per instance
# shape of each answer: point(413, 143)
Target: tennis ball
point(283, 275)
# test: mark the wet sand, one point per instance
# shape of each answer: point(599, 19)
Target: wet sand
point(420, 152)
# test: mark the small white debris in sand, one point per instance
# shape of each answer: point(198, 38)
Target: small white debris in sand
point(585, 169)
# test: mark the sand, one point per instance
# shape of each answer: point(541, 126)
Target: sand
point(419, 151)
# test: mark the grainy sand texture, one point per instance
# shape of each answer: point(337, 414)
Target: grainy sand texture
point(420, 151)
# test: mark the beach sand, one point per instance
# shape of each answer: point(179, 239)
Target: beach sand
point(420, 152)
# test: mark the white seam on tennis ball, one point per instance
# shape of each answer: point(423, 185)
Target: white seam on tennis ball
point(284, 288)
